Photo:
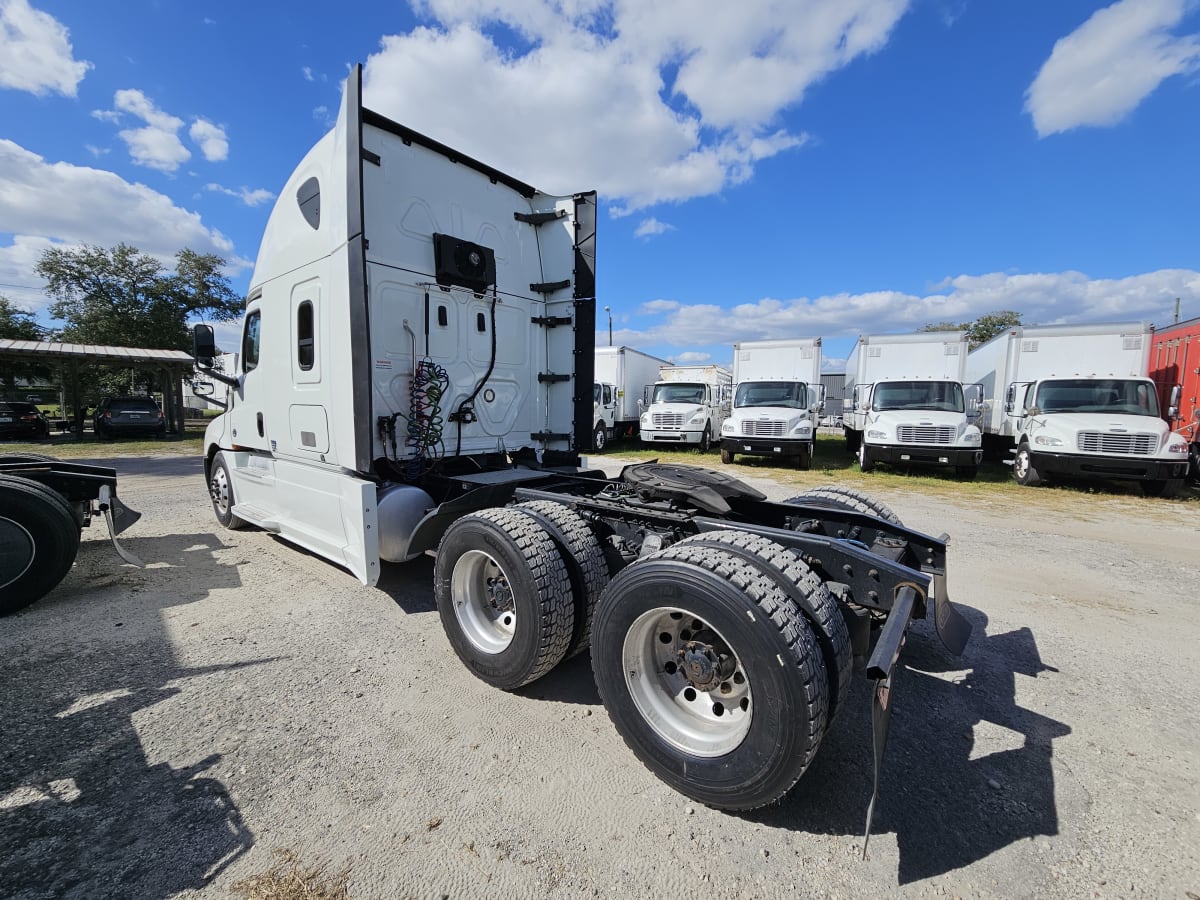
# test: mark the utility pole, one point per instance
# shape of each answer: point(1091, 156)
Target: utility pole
point(1176, 312)
point(609, 311)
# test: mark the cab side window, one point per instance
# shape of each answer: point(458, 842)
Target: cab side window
point(250, 341)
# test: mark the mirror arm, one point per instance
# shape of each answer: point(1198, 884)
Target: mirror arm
point(219, 376)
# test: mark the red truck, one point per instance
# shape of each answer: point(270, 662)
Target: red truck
point(1175, 362)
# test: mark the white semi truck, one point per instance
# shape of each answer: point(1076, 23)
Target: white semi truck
point(1078, 404)
point(777, 400)
point(688, 405)
point(906, 403)
point(622, 378)
point(415, 377)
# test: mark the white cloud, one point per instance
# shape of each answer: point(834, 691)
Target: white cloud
point(210, 138)
point(689, 357)
point(307, 73)
point(646, 102)
point(255, 197)
point(46, 203)
point(1100, 72)
point(155, 145)
point(36, 53)
point(651, 227)
point(323, 116)
point(1042, 298)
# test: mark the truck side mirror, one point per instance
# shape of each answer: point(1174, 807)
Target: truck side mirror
point(820, 398)
point(204, 345)
point(1173, 402)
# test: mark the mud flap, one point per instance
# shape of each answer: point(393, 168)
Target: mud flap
point(881, 669)
point(119, 517)
point(953, 629)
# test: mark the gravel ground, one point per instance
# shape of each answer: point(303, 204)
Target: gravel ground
point(167, 729)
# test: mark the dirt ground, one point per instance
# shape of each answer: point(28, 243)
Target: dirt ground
point(165, 730)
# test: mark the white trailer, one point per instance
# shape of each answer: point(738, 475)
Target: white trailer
point(688, 405)
point(622, 377)
point(906, 402)
point(1078, 403)
point(415, 375)
point(777, 400)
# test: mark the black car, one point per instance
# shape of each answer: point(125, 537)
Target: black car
point(128, 415)
point(22, 420)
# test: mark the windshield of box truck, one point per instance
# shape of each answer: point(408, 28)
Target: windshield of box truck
point(943, 396)
point(1126, 396)
point(790, 394)
point(678, 393)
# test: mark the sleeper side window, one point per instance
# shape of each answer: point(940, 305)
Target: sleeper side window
point(305, 338)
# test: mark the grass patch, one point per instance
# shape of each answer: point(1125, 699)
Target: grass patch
point(290, 879)
point(832, 464)
point(86, 446)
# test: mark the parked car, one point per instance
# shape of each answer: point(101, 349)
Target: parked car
point(128, 415)
point(19, 419)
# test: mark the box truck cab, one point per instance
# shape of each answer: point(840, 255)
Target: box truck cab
point(623, 376)
point(907, 404)
point(688, 405)
point(1078, 404)
point(777, 400)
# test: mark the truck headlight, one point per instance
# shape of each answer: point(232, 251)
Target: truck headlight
point(645, 420)
point(699, 418)
point(1046, 440)
point(877, 434)
point(1176, 444)
point(971, 437)
point(802, 427)
point(728, 427)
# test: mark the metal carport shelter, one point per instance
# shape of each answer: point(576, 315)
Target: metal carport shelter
point(172, 365)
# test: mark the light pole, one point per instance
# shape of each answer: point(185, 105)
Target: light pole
point(609, 311)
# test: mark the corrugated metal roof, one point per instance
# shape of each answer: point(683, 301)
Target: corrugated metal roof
point(94, 353)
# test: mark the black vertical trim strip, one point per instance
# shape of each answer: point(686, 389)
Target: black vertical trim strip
point(356, 261)
point(585, 317)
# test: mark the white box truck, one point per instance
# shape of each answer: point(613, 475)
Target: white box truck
point(415, 376)
point(688, 405)
point(622, 377)
point(1078, 403)
point(906, 402)
point(777, 400)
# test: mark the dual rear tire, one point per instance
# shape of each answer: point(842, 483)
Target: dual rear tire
point(39, 538)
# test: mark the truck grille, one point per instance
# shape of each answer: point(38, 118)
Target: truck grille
point(925, 434)
point(1107, 442)
point(668, 420)
point(762, 427)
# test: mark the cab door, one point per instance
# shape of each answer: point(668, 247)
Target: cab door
point(248, 425)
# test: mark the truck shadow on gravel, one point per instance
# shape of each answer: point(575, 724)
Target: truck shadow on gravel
point(85, 810)
point(949, 802)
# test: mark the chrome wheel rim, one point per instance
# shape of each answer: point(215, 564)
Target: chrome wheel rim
point(704, 722)
point(483, 602)
point(218, 488)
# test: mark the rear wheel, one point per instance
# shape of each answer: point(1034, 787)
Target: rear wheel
point(846, 498)
point(220, 490)
point(504, 597)
point(853, 441)
point(39, 538)
point(1023, 469)
point(711, 675)
point(804, 458)
point(600, 437)
point(584, 558)
point(705, 439)
point(806, 590)
point(727, 456)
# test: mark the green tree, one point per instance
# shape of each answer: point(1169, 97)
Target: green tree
point(125, 298)
point(981, 330)
point(18, 325)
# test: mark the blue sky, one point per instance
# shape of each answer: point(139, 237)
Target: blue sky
point(767, 168)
